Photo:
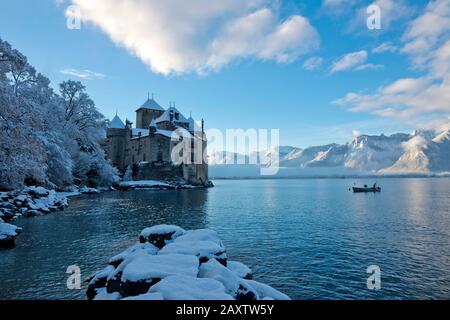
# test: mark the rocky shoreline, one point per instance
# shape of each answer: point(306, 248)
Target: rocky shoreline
point(29, 202)
point(169, 263)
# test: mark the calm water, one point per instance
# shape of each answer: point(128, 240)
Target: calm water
point(312, 239)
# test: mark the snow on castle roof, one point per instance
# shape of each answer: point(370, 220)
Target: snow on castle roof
point(116, 123)
point(166, 116)
point(152, 105)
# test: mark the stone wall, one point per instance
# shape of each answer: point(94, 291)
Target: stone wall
point(158, 171)
point(115, 147)
point(144, 116)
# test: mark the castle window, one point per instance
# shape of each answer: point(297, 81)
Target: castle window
point(159, 156)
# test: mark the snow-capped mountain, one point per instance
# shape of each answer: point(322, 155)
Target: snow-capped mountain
point(364, 153)
point(424, 153)
point(419, 152)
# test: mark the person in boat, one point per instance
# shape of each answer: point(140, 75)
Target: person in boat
point(375, 185)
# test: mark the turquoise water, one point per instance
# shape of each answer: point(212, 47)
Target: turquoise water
point(312, 239)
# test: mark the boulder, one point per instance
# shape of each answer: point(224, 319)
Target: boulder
point(204, 250)
point(87, 190)
point(266, 292)
point(102, 294)
point(139, 272)
point(203, 243)
point(160, 235)
point(234, 286)
point(8, 234)
point(137, 249)
point(37, 191)
point(240, 269)
point(179, 287)
point(98, 281)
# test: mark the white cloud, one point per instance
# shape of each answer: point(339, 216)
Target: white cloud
point(426, 33)
point(260, 35)
point(369, 66)
point(83, 74)
point(312, 63)
point(424, 99)
point(350, 61)
point(337, 7)
point(177, 36)
point(406, 85)
point(385, 47)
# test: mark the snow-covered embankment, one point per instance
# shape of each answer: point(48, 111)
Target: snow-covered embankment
point(170, 263)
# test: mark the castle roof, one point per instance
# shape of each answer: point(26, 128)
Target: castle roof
point(116, 123)
point(166, 116)
point(151, 104)
point(141, 133)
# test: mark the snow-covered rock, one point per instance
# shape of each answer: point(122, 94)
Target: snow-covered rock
point(136, 274)
point(179, 287)
point(134, 250)
point(237, 287)
point(170, 263)
point(160, 235)
point(240, 269)
point(87, 190)
point(204, 244)
point(266, 292)
point(8, 234)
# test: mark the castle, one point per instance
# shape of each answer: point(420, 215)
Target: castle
point(145, 152)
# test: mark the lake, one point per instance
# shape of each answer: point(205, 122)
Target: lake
point(309, 238)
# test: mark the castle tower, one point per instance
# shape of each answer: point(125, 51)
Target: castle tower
point(116, 140)
point(148, 111)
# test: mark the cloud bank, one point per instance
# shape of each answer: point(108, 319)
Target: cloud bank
point(176, 36)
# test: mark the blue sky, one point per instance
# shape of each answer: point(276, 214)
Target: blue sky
point(247, 85)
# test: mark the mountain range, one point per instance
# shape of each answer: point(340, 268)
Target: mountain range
point(421, 152)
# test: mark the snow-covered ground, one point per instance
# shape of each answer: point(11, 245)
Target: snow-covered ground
point(170, 263)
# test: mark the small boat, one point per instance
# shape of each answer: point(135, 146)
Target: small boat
point(366, 189)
